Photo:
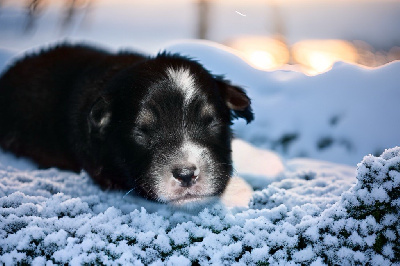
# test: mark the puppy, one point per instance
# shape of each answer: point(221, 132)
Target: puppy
point(159, 125)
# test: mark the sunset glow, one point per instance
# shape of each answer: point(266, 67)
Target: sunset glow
point(317, 56)
point(262, 52)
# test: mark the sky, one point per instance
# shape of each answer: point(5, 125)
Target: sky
point(148, 25)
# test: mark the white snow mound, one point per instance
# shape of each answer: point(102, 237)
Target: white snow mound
point(56, 217)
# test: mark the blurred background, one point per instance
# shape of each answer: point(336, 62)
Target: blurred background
point(308, 35)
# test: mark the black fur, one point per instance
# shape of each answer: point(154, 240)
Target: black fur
point(121, 118)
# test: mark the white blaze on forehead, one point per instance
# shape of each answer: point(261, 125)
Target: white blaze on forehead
point(192, 152)
point(184, 81)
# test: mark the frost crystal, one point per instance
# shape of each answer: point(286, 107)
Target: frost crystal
point(47, 218)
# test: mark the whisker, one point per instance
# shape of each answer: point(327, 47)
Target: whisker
point(127, 193)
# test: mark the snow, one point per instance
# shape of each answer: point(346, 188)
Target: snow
point(338, 116)
point(287, 221)
point(279, 209)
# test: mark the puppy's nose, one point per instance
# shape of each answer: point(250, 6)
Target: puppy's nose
point(186, 175)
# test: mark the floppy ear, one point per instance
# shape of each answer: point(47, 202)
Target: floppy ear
point(236, 100)
point(99, 115)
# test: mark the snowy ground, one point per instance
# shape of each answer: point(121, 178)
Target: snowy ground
point(300, 215)
point(302, 210)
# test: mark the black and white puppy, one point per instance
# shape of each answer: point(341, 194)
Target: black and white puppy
point(160, 125)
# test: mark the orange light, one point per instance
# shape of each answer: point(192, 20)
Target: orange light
point(262, 52)
point(318, 56)
point(320, 61)
point(263, 59)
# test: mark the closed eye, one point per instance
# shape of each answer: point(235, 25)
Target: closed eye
point(141, 134)
point(212, 122)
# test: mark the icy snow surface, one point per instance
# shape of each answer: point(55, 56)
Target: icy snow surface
point(300, 216)
point(302, 211)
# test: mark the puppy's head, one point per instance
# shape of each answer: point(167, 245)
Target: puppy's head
point(167, 121)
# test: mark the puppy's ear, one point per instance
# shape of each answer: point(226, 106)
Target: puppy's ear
point(236, 100)
point(99, 116)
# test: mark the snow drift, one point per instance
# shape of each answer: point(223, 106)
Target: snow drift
point(52, 216)
point(340, 116)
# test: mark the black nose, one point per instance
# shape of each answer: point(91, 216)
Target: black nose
point(185, 175)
